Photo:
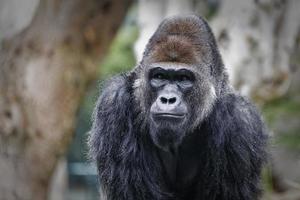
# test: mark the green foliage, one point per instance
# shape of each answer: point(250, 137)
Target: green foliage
point(267, 178)
point(120, 56)
point(282, 106)
point(290, 140)
point(283, 117)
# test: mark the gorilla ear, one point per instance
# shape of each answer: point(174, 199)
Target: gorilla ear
point(179, 39)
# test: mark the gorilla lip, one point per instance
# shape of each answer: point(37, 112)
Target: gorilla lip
point(169, 115)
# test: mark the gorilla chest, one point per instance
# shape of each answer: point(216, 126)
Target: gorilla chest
point(181, 169)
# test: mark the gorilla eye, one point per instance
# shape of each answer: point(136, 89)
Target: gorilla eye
point(158, 76)
point(184, 78)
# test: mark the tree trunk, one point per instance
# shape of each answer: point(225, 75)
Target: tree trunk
point(256, 40)
point(45, 70)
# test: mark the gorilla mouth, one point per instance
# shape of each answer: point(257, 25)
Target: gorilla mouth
point(166, 116)
point(169, 115)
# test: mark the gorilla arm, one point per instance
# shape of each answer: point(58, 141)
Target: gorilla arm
point(126, 170)
point(238, 137)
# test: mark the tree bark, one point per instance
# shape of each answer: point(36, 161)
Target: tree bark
point(256, 40)
point(45, 70)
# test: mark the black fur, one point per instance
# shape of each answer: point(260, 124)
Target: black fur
point(220, 159)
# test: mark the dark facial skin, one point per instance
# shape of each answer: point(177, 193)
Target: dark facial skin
point(169, 110)
point(170, 85)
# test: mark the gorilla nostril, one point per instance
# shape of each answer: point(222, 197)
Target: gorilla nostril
point(163, 100)
point(172, 100)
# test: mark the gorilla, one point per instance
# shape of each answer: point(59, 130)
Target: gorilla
point(173, 128)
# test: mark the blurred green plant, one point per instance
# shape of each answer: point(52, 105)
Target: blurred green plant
point(279, 107)
point(283, 117)
point(121, 55)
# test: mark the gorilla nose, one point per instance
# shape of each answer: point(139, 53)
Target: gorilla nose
point(168, 106)
point(168, 100)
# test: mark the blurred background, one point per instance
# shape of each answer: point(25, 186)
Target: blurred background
point(54, 55)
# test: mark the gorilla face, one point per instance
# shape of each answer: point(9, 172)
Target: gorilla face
point(174, 96)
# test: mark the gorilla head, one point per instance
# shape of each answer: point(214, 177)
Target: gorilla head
point(178, 79)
